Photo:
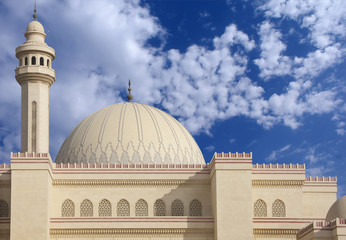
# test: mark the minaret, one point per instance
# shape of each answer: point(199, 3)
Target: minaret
point(35, 75)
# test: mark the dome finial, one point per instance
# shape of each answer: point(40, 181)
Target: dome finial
point(35, 15)
point(129, 96)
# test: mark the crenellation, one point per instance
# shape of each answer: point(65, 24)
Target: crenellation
point(28, 155)
point(278, 166)
point(235, 155)
point(130, 166)
point(321, 179)
point(5, 166)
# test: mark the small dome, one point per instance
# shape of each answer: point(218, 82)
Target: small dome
point(337, 210)
point(35, 26)
point(130, 133)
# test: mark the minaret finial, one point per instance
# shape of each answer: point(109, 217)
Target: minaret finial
point(129, 96)
point(35, 15)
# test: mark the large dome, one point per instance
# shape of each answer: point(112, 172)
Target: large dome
point(130, 133)
point(337, 210)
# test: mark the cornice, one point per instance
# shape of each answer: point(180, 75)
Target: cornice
point(130, 232)
point(288, 233)
point(277, 183)
point(130, 183)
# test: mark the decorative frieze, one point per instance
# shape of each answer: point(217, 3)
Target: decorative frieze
point(277, 183)
point(278, 166)
point(130, 183)
point(131, 232)
point(277, 233)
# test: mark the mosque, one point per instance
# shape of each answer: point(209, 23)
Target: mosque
point(131, 171)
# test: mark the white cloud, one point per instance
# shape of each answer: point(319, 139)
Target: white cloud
point(272, 61)
point(276, 154)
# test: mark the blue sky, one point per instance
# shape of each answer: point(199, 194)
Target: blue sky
point(266, 77)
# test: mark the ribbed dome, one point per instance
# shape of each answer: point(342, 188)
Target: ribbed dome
point(337, 210)
point(130, 133)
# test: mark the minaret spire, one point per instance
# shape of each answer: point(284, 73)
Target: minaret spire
point(35, 15)
point(129, 96)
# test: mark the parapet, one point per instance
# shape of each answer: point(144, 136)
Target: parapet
point(130, 166)
point(278, 166)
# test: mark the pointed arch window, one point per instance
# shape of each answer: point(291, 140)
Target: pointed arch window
point(159, 208)
point(278, 208)
point(260, 208)
point(86, 208)
point(33, 60)
point(3, 209)
point(105, 208)
point(141, 208)
point(67, 208)
point(177, 208)
point(26, 61)
point(123, 208)
point(41, 61)
point(195, 208)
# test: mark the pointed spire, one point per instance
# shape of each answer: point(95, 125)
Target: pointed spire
point(35, 15)
point(129, 96)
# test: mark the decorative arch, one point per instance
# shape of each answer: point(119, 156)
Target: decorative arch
point(67, 208)
point(141, 208)
point(3, 209)
point(195, 208)
point(86, 208)
point(105, 208)
point(33, 60)
point(278, 208)
point(159, 208)
point(260, 208)
point(123, 208)
point(177, 208)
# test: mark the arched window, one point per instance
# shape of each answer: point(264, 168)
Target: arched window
point(67, 208)
point(20, 62)
point(177, 208)
point(279, 208)
point(86, 208)
point(123, 208)
point(141, 208)
point(105, 208)
point(260, 208)
point(159, 208)
point(26, 61)
point(41, 61)
point(48, 63)
point(195, 208)
point(33, 61)
point(3, 209)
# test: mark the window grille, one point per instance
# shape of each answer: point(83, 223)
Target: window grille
point(177, 208)
point(141, 208)
point(86, 208)
point(159, 208)
point(279, 208)
point(195, 208)
point(105, 208)
point(3, 209)
point(67, 208)
point(123, 208)
point(260, 208)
